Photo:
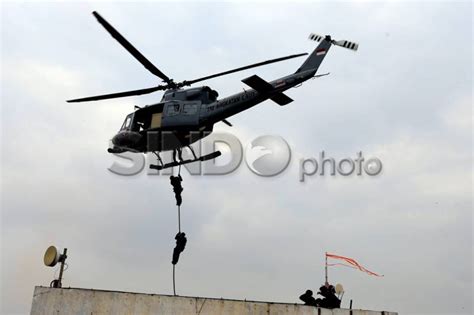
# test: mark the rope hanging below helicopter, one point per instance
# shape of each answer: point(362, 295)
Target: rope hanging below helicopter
point(180, 236)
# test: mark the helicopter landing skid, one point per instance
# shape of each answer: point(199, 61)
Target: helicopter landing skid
point(207, 157)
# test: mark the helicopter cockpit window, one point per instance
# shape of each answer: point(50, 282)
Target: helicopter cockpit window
point(127, 123)
point(173, 109)
point(190, 109)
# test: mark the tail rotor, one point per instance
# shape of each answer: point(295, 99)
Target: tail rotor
point(342, 43)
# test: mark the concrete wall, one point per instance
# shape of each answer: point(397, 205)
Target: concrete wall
point(91, 302)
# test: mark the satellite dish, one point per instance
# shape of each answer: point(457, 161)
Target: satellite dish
point(51, 256)
point(51, 259)
point(339, 289)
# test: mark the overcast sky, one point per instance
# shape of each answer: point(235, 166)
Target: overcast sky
point(404, 97)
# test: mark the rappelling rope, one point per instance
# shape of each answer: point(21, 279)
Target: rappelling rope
point(179, 230)
point(179, 219)
point(179, 206)
point(174, 283)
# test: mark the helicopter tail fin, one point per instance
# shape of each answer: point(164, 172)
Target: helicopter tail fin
point(317, 56)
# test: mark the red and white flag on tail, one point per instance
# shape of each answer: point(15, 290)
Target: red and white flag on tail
point(349, 262)
point(320, 52)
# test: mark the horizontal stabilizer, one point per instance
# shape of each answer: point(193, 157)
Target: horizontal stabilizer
point(258, 84)
point(262, 86)
point(281, 99)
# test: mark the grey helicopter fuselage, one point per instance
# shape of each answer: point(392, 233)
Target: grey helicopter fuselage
point(185, 116)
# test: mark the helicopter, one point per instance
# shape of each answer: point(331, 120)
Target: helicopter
point(186, 115)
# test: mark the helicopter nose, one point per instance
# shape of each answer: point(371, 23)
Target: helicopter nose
point(128, 139)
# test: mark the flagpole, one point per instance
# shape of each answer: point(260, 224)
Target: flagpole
point(326, 268)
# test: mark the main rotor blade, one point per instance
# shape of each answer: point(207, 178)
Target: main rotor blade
point(116, 95)
point(242, 68)
point(129, 47)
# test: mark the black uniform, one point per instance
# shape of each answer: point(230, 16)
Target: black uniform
point(177, 188)
point(180, 244)
point(330, 299)
point(308, 298)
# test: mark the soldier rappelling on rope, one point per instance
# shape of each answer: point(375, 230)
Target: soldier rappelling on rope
point(180, 245)
point(177, 188)
point(180, 236)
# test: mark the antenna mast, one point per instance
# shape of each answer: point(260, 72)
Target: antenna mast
point(326, 268)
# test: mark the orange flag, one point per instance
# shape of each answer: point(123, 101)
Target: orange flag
point(351, 263)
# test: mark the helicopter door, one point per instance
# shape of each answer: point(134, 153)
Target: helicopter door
point(173, 109)
point(190, 113)
point(190, 109)
point(181, 114)
point(156, 120)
